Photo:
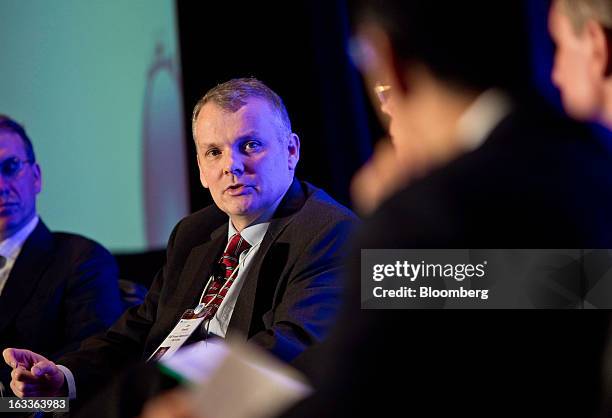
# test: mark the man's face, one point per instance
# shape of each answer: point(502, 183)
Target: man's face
point(18, 188)
point(243, 159)
point(573, 72)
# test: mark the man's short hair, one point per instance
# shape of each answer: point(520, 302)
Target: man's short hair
point(233, 94)
point(8, 124)
point(579, 11)
point(476, 44)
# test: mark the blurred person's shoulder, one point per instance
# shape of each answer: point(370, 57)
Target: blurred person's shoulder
point(70, 246)
point(523, 186)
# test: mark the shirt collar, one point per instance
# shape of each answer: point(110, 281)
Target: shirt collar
point(481, 117)
point(10, 247)
point(253, 234)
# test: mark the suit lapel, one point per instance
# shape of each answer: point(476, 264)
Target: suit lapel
point(198, 269)
point(240, 322)
point(26, 273)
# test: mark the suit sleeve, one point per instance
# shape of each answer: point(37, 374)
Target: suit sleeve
point(101, 357)
point(311, 299)
point(91, 300)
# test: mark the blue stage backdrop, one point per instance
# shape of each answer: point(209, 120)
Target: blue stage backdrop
point(97, 86)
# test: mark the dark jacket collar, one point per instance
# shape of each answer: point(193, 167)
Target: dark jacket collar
point(202, 258)
point(240, 324)
point(27, 271)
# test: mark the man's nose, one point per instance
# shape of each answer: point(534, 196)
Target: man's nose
point(233, 164)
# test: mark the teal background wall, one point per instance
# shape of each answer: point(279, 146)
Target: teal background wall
point(78, 75)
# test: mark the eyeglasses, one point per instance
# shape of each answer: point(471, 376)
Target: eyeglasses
point(11, 167)
point(382, 92)
point(364, 57)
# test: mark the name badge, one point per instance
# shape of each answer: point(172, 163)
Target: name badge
point(189, 322)
point(192, 318)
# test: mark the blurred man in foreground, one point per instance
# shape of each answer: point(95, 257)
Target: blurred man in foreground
point(56, 289)
point(500, 170)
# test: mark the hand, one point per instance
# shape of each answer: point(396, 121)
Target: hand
point(172, 404)
point(379, 178)
point(33, 374)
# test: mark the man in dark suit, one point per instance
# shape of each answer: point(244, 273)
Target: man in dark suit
point(56, 289)
point(498, 169)
point(282, 293)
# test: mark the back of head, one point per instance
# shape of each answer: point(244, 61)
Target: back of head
point(475, 44)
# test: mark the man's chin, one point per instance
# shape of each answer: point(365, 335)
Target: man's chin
point(243, 212)
point(246, 213)
point(240, 205)
point(579, 109)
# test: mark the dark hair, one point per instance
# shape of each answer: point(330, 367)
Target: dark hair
point(473, 43)
point(232, 95)
point(8, 124)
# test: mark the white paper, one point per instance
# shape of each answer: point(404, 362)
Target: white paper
point(236, 380)
point(249, 383)
point(198, 361)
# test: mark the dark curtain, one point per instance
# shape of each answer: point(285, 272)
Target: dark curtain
point(297, 48)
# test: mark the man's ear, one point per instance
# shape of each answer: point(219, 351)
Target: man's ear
point(293, 148)
point(202, 179)
point(37, 177)
point(599, 40)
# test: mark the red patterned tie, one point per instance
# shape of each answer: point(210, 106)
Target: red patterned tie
point(227, 264)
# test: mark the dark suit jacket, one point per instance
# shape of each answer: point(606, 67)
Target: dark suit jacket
point(288, 300)
point(539, 181)
point(62, 289)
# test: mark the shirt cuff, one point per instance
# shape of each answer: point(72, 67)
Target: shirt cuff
point(69, 381)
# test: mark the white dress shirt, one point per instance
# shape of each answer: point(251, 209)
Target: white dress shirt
point(11, 247)
point(481, 117)
point(253, 234)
